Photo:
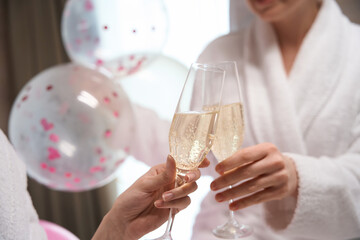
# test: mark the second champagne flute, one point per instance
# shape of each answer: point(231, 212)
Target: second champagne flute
point(228, 140)
point(194, 123)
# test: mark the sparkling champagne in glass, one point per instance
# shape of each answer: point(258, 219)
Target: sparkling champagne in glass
point(228, 140)
point(193, 127)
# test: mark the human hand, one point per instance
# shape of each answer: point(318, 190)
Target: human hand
point(144, 206)
point(264, 174)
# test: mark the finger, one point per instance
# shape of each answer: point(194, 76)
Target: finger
point(253, 170)
point(205, 163)
point(179, 204)
point(165, 177)
point(179, 192)
point(242, 157)
point(249, 187)
point(267, 194)
point(192, 176)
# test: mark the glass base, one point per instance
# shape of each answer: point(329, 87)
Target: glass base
point(163, 238)
point(166, 236)
point(232, 230)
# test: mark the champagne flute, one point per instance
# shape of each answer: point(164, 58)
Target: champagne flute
point(194, 123)
point(228, 140)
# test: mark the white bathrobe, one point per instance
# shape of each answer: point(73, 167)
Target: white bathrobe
point(311, 115)
point(18, 218)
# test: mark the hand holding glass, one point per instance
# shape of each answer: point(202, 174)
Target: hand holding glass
point(229, 138)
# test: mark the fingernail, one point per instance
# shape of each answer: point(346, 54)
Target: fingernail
point(233, 207)
point(158, 203)
point(219, 197)
point(189, 177)
point(219, 169)
point(167, 196)
point(213, 186)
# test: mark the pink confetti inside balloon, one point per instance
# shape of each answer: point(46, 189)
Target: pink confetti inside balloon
point(53, 137)
point(70, 137)
point(121, 36)
point(53, 153)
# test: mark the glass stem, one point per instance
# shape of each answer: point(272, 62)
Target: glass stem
point(231, 213)
point(172, 214)
point(170, 223)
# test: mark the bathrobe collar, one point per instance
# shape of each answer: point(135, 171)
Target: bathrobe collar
point(319, 64)
point(282, 106)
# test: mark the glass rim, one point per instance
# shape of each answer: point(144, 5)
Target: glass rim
point(207, 67)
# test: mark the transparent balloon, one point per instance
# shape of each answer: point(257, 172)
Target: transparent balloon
point(119, 35)
point(72, 126)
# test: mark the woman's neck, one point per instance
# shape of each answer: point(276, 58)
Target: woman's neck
point(292, 30)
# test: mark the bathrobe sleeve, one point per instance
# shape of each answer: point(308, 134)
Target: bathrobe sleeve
point(18, 218)
point(328, 203)
point(151, 137)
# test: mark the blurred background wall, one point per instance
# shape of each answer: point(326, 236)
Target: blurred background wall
point(30, 42)
point(351, 8)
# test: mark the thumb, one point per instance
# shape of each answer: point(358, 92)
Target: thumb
point(165, 177)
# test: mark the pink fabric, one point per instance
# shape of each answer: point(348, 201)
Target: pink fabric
point(56, 232)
